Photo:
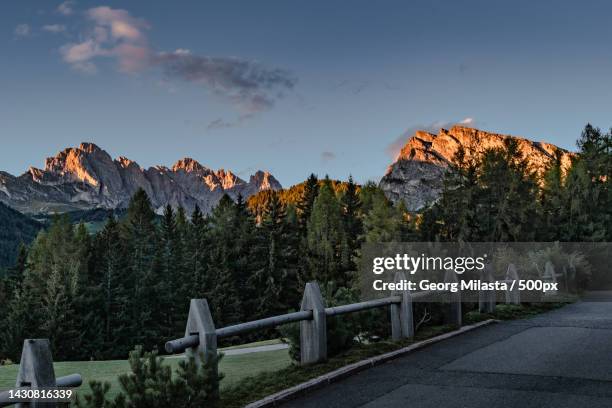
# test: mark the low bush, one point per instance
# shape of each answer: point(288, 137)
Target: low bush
point(151, 384)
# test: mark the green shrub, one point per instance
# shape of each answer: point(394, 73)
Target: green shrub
point(152, 385)
point(6, 362)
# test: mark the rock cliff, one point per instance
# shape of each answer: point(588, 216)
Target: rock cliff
point(417, 174)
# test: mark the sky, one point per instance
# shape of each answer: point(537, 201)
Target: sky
point(330, 87)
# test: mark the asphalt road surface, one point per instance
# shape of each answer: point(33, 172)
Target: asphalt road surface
point(561, 359)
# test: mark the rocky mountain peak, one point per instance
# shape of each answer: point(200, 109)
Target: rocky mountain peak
point(124, 162)
point(87, 177)
point(265, 181)
point(88, 147)
point(416, 175)
point(228, 179)
point(189, 165)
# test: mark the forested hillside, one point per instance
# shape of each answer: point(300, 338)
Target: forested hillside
point(97, 296)
point(15, 229)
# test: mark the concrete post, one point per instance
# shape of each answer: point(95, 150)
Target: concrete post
point(36, 369)
point(313, 333)
point(200, 323)
point(513, 296)
point(454, 299)
point(402, 319)
point(486, 298)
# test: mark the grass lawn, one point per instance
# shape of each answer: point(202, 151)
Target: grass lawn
point(235, 369)
point(255, 344)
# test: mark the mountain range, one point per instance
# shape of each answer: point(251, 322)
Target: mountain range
point(416, 176)
point(87, 177)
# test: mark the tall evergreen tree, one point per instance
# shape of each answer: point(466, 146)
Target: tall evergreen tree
point(352, 223)
point(109, 317)
point(325, 236)
point(140, 236)
point(275, 278)
point(553, 202)
point(383, 223)
point(225, 256)
point(170, 265)
point(306, 202)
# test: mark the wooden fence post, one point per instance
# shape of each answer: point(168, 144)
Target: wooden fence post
point(454, 300)
point(402, 319)
point(200, 323)
point(486, 298)
point(36, 369)
point(313, 333)
point(513, 296)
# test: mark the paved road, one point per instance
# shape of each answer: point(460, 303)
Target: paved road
point(561, 359)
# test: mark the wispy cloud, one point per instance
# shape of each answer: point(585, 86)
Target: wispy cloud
point(66, 8)
point(249, 85)
point(220, 124)
point(393, 149)
point(115, 34)
point(327, 156)
point(22, 30)
point(54, 28)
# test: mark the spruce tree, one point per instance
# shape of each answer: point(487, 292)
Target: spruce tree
point(383, 222)
point(552, 202)
point(275, 278)
point(140, 236)
point(324, 238)
point(224, 259)
point(352, 223)
point(197, 281)
point(110, 318)
point(306, 202)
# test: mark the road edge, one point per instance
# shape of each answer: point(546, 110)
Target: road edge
point(346, 371)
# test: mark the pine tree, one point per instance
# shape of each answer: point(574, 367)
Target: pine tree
point(352, 223)
point(52, 286)
point(197, 281)
point(306, 202)
point(324, 238)
point(588, 211)
point(170, 265)
point(224, 259)
point(459, 203)
point(383, 222)
point(110, 320)
point(552, 202)
point(275, 278)
point(140, 236)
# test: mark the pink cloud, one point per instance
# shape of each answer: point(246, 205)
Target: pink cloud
point(116, 34)
point(132, 58)
point(120, 23)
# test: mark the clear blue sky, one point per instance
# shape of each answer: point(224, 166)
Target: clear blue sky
point(293, 87)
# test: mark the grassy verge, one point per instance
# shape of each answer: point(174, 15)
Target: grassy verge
point(235, 369)
point(255, 344)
